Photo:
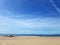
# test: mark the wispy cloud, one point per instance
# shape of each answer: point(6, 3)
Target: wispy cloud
point(12, 25)
point(55, 5)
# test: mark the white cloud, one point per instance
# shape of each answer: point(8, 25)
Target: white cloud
point(37, 22)
point(46, 22)
point(11, 25)
point(10, 19)
point(20, 24)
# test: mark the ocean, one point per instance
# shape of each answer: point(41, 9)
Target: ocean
point(30, 35)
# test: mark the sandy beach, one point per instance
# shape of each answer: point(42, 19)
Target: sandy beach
point(29, 40)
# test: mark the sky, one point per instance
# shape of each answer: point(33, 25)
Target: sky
point(29, 16)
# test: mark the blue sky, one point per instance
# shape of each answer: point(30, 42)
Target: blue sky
point(30, 16)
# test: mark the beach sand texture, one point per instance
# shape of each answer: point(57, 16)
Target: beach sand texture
point(29, 40)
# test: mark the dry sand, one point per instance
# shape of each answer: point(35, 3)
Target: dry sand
point(29, 40)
